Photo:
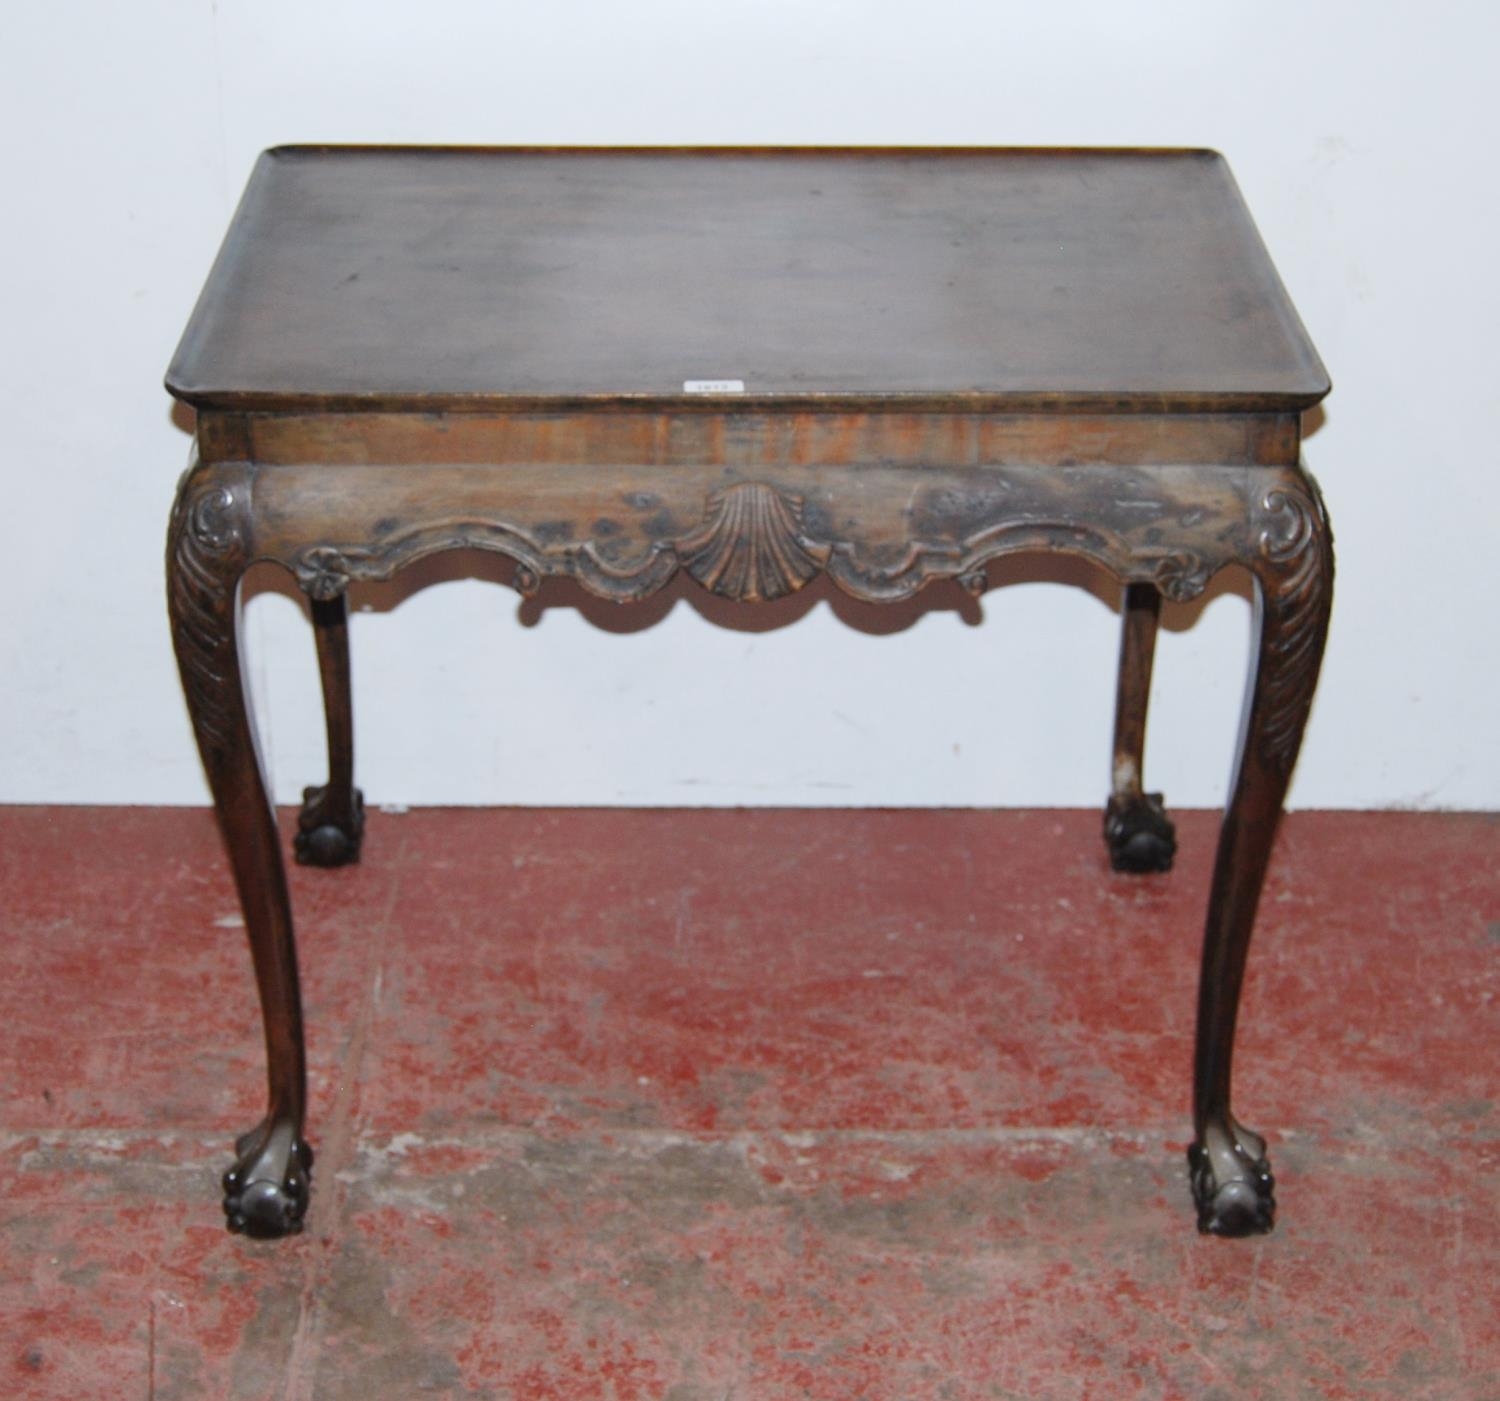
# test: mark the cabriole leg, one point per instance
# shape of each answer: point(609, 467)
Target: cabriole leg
point(1137, 831)
point(1293, 564)
point(208, 548)
point(331, 824)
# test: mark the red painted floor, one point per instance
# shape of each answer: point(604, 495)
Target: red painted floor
point(750, 1105)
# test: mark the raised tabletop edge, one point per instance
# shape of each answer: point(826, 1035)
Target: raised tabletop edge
point(292, 149)
point(242, 402)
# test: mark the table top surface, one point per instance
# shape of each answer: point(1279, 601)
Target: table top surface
point(984, 280)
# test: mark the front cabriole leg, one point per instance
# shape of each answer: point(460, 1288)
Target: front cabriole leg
point(209, 545)
point(1290, 553)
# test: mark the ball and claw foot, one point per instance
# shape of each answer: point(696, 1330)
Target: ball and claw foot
point(266, 1191)
point(1234, 1191)
point(328, 833)
point(1139, 834)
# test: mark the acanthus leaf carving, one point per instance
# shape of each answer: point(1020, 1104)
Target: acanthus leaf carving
point(1296, 570)
point(206, 551)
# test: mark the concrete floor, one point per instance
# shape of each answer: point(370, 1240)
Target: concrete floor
point(751, 1105)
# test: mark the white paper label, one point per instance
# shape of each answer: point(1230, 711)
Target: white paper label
point(713, 386)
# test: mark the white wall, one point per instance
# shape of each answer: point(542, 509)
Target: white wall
point(1362, 135)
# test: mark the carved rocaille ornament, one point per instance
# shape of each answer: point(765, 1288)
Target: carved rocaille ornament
point(323, 573)
point(754, 544)
point(1181, 577)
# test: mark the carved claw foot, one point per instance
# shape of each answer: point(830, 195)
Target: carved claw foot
point(329, 832)
point(1139, 834)
point(266, 1191)
point(1232, 1185)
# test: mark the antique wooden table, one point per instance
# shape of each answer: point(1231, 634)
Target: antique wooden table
point(887, 366)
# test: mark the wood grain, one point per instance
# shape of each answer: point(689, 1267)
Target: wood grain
point(1121, 280)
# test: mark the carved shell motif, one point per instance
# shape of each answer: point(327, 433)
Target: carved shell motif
point(751, 547)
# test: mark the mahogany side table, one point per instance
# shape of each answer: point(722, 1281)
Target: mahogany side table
point(885, 366)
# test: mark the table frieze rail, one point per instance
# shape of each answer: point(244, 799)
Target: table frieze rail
point(880, 534)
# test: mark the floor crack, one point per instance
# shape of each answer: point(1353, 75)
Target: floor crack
point(340, 1147)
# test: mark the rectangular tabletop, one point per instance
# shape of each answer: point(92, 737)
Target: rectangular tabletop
point(991, 280)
